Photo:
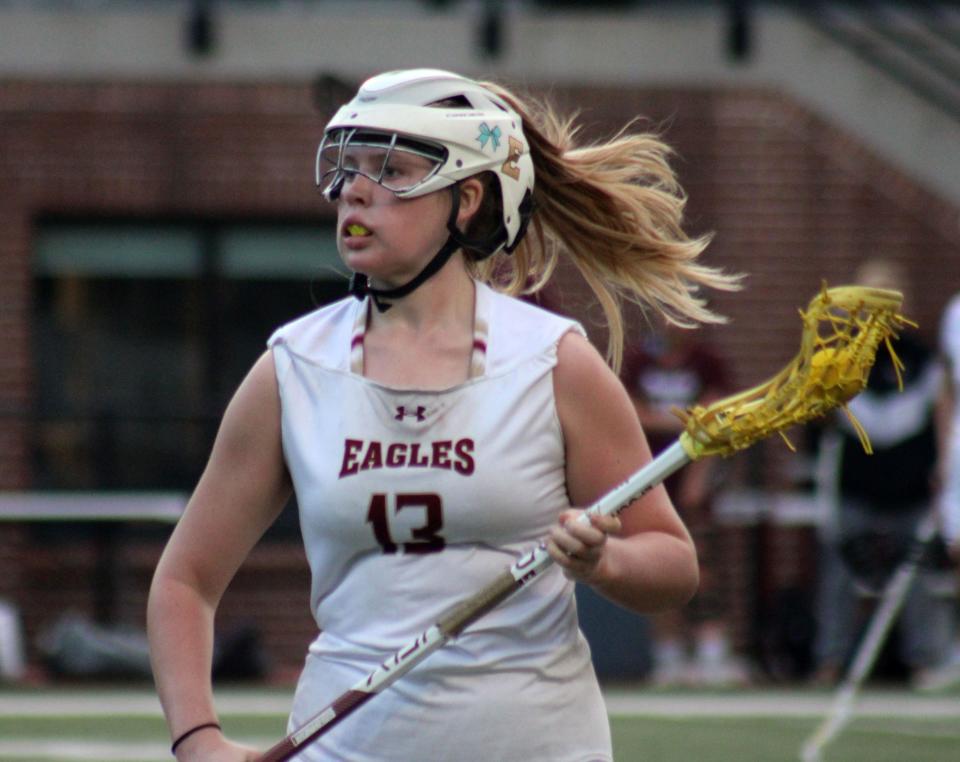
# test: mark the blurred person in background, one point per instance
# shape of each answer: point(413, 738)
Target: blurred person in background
point(487, 419)
point(672, 367)
point(13, 659)
point(949, 426)
point(874, 502)
point(948, 470)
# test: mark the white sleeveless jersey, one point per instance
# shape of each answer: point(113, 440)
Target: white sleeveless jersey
point(411, 501)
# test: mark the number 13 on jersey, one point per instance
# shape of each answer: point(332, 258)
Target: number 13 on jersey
point(424, 537)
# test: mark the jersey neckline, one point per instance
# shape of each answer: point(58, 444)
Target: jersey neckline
point(478, 354)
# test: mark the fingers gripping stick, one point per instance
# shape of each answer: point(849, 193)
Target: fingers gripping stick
point(842, 330)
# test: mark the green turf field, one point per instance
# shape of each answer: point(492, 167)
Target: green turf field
point(118, 726)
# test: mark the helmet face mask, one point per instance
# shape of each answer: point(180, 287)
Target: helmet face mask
point(399, 164)
point(454, 127)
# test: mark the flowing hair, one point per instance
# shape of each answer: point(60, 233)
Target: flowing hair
point(615, 209)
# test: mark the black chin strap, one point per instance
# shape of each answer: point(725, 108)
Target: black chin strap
point(480, 248)
point(360, 285)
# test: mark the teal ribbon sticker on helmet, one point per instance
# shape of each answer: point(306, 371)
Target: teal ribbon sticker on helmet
point(487, 135)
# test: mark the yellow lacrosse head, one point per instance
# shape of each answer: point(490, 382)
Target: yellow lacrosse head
point(843, 328)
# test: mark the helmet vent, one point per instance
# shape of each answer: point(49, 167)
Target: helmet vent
point(456, 101)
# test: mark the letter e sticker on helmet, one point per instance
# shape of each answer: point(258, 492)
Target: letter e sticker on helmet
point(510, 167)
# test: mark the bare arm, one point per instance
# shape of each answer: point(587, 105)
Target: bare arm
point(646, 560)
point(242, 490)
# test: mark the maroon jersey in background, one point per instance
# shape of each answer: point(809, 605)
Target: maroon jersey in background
point(671, 369)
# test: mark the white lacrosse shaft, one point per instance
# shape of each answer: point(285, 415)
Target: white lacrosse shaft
point(526, 570)
point(894, 595)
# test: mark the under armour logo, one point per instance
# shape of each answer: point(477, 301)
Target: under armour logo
point(420, 413)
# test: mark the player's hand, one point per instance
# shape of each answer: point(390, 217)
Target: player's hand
point(578, 547)
point(213, 747)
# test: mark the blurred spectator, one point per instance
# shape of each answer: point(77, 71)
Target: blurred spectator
point(948, 471)
point(75, 646)
point(13, 665)
point(875, 502)
point(673, 368)
point(949, 426)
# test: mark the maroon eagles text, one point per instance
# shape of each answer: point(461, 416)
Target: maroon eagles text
point(361, 455)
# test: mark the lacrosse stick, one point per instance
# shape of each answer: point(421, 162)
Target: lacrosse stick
point(894, 595)
point(842, 329)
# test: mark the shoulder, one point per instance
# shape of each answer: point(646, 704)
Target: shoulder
point(253, 415)
point(579, 362)
point(603, 439)
point(518, 329)
point(584, 385)
point(321, 336)
point(522, 315)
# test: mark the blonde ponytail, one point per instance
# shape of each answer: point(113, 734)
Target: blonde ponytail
point(615, 209)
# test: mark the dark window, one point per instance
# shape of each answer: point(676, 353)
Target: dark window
point(143, 332)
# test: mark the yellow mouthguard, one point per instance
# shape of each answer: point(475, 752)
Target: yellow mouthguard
point(357, 230)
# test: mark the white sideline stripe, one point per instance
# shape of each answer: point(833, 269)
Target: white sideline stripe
point(619, 703)
point(121, 704)
point(67, 750)
point(923, 735)
point(99, 751)
point(92, 506)
point(901, 704)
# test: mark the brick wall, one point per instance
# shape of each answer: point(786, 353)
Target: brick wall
point(159, 151)
point(790, 199)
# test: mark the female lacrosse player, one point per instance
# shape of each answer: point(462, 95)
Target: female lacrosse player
point(433, 428)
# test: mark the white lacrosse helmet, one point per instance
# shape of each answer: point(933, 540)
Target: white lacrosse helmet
point(456, 128)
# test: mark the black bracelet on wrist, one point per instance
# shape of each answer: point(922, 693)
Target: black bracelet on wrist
point(184, 736)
